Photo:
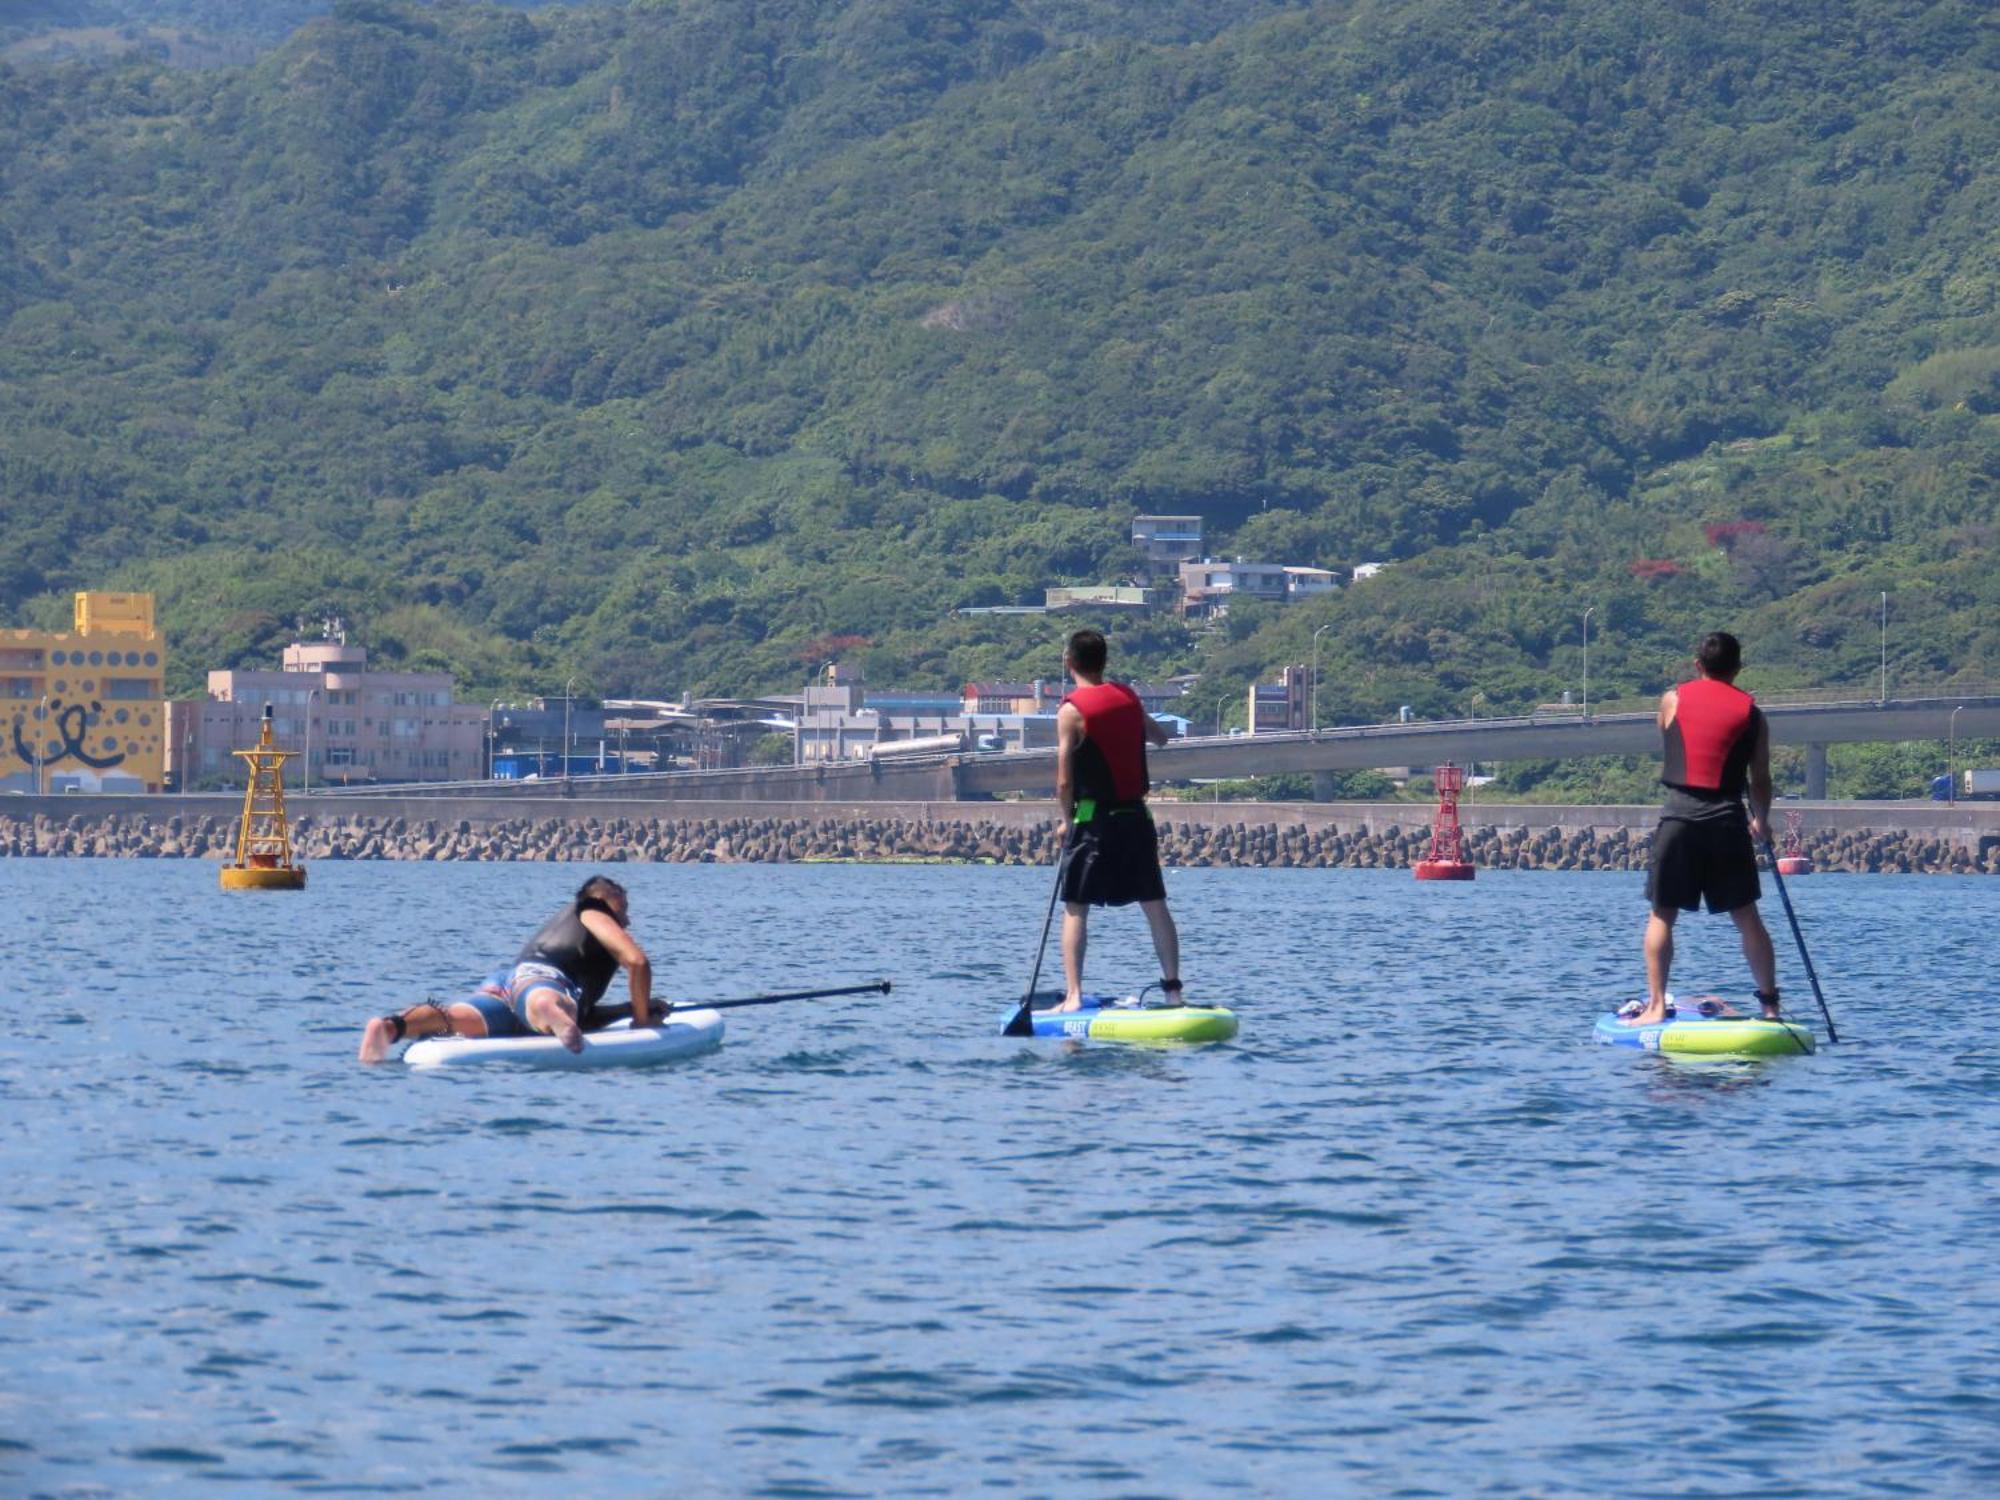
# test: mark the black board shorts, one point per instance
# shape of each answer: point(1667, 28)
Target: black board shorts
point(1114, 860)
point(1707, 859)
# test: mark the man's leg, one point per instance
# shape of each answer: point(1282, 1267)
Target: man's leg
point(552, 1012)
point(1166, 945)
point(1762, 957)
point(427, 1019)
point(1075, 939)
point(1659, 964)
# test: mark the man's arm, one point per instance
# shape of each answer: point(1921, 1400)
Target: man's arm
point(1156, 732)
point(638, 970)
point(1669, 701)
point(1760, 782)
point(1069, 734)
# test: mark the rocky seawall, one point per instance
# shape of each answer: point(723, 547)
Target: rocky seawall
point(752, 840)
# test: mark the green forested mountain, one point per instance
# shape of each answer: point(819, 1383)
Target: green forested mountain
point(256, 21)
point(268, 18)
point(684, 344)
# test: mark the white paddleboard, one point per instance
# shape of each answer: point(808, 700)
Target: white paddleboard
point(619, 1045)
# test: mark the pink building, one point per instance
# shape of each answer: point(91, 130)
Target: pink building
point(365, 726)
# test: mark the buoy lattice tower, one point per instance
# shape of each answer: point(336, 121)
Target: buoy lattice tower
point(1447, 859)
point(1793, 859)
point(263, 859)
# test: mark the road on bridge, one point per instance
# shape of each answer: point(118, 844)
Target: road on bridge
point(1550, 736)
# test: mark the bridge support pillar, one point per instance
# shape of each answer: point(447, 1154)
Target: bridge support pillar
point(1816, 772)
point(1325, 783)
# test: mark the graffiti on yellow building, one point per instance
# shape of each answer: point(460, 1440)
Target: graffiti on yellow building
point(85, 708)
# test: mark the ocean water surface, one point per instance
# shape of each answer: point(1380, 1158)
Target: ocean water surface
point(1412, 1233)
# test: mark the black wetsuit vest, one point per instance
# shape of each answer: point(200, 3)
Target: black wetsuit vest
point(565, 943)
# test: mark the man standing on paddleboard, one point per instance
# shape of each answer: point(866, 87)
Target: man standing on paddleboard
point(1718, 746)
point(551, 988)
point(1113, 853)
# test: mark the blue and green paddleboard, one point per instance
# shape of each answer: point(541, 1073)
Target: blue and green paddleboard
point(1690, 1034)
point(1106, 1018)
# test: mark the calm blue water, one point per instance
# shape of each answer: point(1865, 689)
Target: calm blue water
point(1412, 1234)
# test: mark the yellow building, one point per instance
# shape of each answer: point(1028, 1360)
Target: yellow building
point(85, 708)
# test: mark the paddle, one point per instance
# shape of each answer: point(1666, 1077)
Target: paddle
point(1800, 938)
point(1022, 1022)
point(606, 1014)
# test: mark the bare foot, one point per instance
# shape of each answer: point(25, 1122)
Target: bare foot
point(552, 1018)
point(376, 1040)
point(1652, 1015)
point(1070, 1003)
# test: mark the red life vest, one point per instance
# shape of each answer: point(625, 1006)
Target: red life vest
point(1709, 743)
point(1110, 764)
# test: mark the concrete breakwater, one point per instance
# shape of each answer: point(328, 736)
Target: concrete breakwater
point(614, 839)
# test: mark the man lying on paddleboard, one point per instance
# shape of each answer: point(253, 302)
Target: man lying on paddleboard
point(1113, 856)
point(551, 987)
point(1718, 746)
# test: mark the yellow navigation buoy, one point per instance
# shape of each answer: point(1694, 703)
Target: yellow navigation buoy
point(264, 844)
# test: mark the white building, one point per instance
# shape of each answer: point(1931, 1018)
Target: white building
point(1098, 598)
point(837, 723)
point(1165, 542)
point(1310, 583)
point(1207, 587)
point(840, 721)
point(365, 726)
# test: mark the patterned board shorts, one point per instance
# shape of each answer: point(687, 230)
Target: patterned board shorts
point(502, 997)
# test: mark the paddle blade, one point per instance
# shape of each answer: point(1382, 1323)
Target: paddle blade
point(1022, 1022)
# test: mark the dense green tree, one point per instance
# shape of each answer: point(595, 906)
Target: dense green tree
point(664, 342)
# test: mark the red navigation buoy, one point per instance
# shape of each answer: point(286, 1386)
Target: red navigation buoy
point(1447, 857)
point(1793, 859)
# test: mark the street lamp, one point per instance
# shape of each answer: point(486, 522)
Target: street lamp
point(799, 730)
point(1315, 683)
point(799, 724)
point(1951, 755)
point(1885, 646)
point(311, 693)
point(1586, 661)
point(569, 689)
point(41, 742)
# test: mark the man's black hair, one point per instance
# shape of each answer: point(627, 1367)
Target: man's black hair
point(1088, 651)
point(1720, 654)
point(599, 887)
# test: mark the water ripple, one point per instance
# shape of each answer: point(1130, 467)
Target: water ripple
point(1410, 1234)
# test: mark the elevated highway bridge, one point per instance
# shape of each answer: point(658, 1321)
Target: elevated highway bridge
point(1554, 735)
point(1811, 721)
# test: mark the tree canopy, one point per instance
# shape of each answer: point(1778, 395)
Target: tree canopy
point(666, 341)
